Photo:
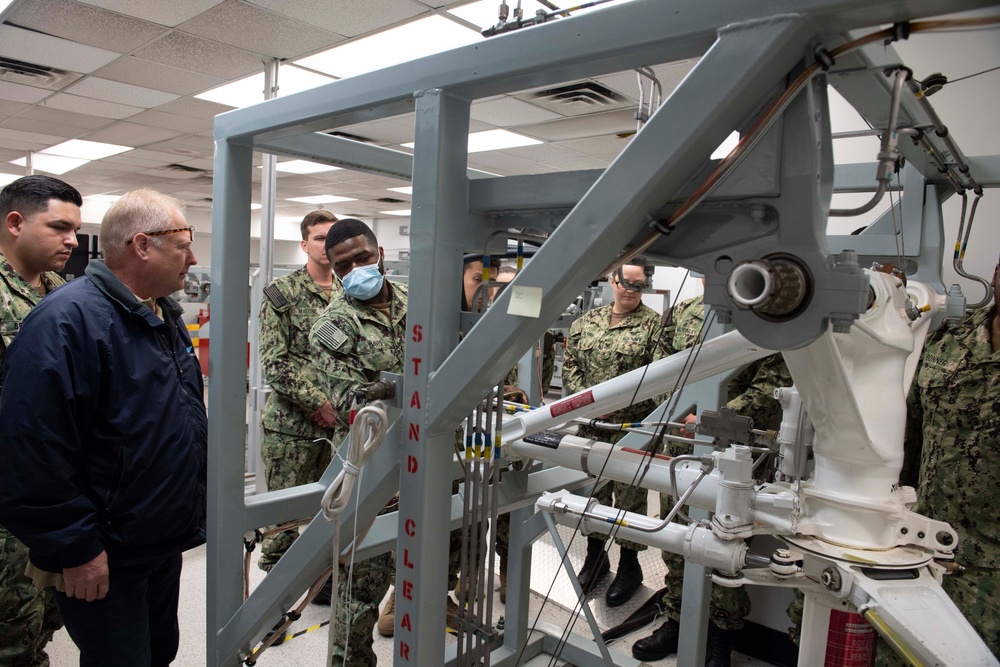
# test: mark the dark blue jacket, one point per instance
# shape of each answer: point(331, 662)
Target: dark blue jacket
point(103, 431)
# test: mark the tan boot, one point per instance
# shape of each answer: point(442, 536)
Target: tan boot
point(387, 617)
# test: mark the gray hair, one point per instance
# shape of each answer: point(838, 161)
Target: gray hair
point(137, 211)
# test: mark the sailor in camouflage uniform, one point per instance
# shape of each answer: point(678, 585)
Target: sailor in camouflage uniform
point(953, 444)
point(297, 412)
point(39, 218)
point(751, 394)
point(359, 335)
point(603, 344)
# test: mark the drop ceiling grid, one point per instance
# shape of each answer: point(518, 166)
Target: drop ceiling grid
point(170, 13)
point(349, 18)
point(80, 22)
point(158, 76)
point(241, 24)
point(129, 134)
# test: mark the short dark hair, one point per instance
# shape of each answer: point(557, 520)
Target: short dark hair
point(346, 229)
point(30, 194)
point(315, 218)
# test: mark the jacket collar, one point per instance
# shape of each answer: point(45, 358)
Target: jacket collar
point(114, 289)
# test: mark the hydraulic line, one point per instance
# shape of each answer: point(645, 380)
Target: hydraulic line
point(767, 118)
point(962, 242)
point(888, 156)
point(942, 131)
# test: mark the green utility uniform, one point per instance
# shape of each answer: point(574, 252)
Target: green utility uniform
point(596, 352)
point(352, 343)
point(288, 449)
point(953, 444)
point(751, 394)
point(28, 616)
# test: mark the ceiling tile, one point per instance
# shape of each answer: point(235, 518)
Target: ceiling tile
point(34, 47)
point(84, 23)
point(347, 17)
point(581, 162)
point(155, 118)
point(165, 13)
point(131, 134)
point(491, 160)
point(193, 107)
point(600, 147)
point(201, 55)
point(205, 164)
point(126, 159)
point(31, 137)
point(90, 106)
point(22, 146)
point(157, 76)
point(241, 24)
point(9, 107)
point(29, 124)
point(15, 92)
point(669, 75)
point(120, 93)
point(194, 145)
point(579, 127)
point(6, 155)
point(60, 117)
point(181, 152)
point(147, 154)
point(506, 111)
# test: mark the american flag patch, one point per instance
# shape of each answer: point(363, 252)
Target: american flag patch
point(330, 335)
point(275, 296)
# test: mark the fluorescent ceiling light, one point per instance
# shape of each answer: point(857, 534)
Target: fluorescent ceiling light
point(403, 212)
point(303, 167)
point(250, 90)
point(494, 140)
point(103, 198)
point(8, 178)
point(726, 147)
point(52, 164)
point(408, 190)
point(85, 150)
point(410, 41)
point(322, 199)
point(254, 206)
point(4, 4)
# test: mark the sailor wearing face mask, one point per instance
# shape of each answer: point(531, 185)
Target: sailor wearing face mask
point(359, 335)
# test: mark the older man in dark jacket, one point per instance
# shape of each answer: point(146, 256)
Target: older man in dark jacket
point(103, 439)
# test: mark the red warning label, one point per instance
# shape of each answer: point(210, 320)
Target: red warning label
point(572, 403)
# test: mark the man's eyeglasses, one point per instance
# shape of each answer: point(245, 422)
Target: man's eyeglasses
point(164, 232)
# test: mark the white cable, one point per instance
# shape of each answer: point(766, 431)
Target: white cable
point(367, 432)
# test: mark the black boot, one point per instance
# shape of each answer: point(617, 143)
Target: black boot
point(627, 581)
point(595, 567)
point(718, 649)
point(659, 645)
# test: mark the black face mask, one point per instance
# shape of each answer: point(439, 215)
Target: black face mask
point(626, 285)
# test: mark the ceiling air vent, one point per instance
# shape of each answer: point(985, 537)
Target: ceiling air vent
point(577, 99)
point(39, 76)
point(391, 200)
